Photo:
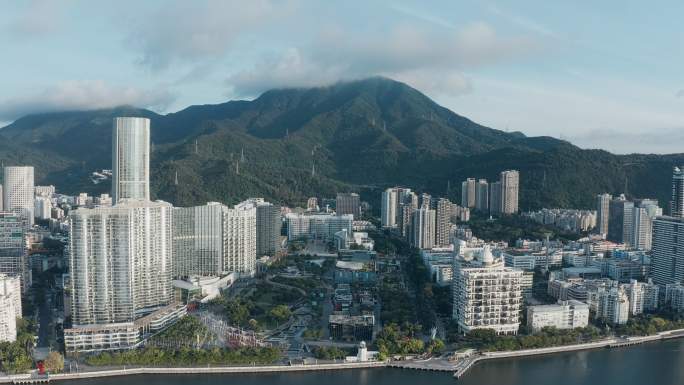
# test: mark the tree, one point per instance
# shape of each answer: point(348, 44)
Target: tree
point(54, 363)
point(280, 313)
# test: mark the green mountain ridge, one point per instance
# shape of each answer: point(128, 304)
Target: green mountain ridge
point(355, 136)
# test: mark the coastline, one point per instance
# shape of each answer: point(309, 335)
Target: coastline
point(458, 369)
point(463, 367)
point(26, 378)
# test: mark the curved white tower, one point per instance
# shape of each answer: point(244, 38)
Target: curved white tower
point(18, 192)
point(130, 159)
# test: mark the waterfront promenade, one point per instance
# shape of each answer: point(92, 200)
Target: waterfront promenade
point(458, 368)
point(26, 378)
point(463, 366)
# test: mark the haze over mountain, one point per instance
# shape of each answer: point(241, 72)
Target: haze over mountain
point(359, 135)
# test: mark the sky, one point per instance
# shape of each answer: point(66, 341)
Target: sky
point(602, 74)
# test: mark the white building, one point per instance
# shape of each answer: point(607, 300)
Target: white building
point(642, 296)
point(131, 159)
point(674, 296)
point(10, 307)
point(423, 228)
point(564, 315)
point(240, 228)
point(317, 226)
point(45, 191)
point(13, 252)
point(18, 192)
point(487, 295)
point(42, 208)
point(613, 306)
point(121, 269)
point(390, 207)
point(199, 240)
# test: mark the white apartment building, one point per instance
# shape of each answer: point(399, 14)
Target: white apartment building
point(564, 315)
point(613, 306)
point(487, 295)
point(642, 296)
point(423, 228)
point(19, 192)
point(43, 208)
point(10, 307)
point(317, 226)
point(130, 159)
point(240, 227)
point(13, 253)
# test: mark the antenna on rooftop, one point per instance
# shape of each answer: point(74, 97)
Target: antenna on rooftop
point(196, 147)
point(242, 155)
point(313, 169)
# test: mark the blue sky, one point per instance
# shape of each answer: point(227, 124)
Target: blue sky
point(602, 74)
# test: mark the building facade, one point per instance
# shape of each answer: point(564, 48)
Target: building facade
point(487, 295)
point(348, 203)
point(423, 228)
point(130, 159)
point(19, 192)
point(14, 259)
point(603, 213)
point(564, 315)
point(468, 193)
point(510, 186)
point(10, 307)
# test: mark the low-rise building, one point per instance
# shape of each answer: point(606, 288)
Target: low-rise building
point(564, 315)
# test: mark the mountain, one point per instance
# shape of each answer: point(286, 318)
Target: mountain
point(289, 144)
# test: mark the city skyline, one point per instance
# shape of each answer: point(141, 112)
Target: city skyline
point(515, 67)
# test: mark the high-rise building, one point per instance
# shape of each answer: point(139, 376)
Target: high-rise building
point(42, 208)
point(10, 307)
point(213, 240)
point(510, 185)
point(495, 198)
point(667, 253)
point(445, 211)
point(317, 226)
point(482, 195)
point(423, 228)
point(613, 306)
point(468, 193)
point(645, 211)
point(621, 221)
point(121, 257)
point(392, 201)
point(677, 203)
point(13, 254)
point(121, 270)
point(130, 159)
point(268, 225)
point(602, 213)
point(19, 192)
point(487, 295)
point(642, 296)
point(405, 222)
point(198, 240)
point(240, 224)
point(348, 203)
point(121, 261)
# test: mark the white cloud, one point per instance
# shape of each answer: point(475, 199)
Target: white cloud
point(38, 18)
point(82, 95)
point(432, 60)
point(192, 31)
